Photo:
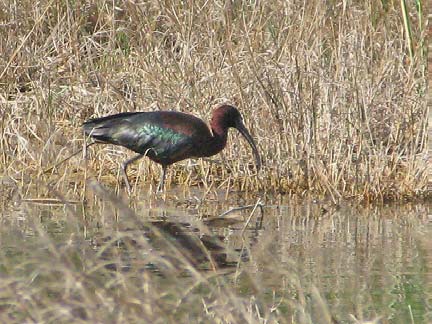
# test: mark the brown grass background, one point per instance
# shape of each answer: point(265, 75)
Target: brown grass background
point(327, 88)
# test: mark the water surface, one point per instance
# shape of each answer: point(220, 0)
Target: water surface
point(364, 262)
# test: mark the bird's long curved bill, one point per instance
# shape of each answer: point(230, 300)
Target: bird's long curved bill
point(242, 129)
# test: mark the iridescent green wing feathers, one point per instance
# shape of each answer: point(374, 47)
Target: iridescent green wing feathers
point(167, 144)
point(145, 133)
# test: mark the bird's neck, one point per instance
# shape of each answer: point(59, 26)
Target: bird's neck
point(217, 142)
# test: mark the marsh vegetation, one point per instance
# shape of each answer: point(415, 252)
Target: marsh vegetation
point(334, 94)
point(328, 89)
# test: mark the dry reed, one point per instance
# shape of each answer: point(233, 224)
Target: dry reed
point(333, 98)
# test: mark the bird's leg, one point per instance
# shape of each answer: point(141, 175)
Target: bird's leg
point(162, 179)
point(124, 167)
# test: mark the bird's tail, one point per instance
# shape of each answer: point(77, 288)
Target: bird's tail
point(103, 129)
point(96, 131)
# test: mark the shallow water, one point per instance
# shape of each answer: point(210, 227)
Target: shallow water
point(365, 263)
point(379, 259)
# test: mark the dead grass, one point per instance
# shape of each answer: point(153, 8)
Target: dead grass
point(328, 90)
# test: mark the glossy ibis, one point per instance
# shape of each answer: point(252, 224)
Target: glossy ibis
point(168, 136)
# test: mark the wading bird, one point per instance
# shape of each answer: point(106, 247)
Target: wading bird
point(168, 136)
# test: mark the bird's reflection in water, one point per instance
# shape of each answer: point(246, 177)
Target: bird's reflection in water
point(167, 244)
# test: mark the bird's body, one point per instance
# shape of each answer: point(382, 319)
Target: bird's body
point(167, 137)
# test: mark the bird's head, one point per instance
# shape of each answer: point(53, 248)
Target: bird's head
point(226, 116)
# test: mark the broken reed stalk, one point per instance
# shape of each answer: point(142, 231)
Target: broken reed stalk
point(67, 158)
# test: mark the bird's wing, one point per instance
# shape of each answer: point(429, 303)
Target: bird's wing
point(167, 144)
